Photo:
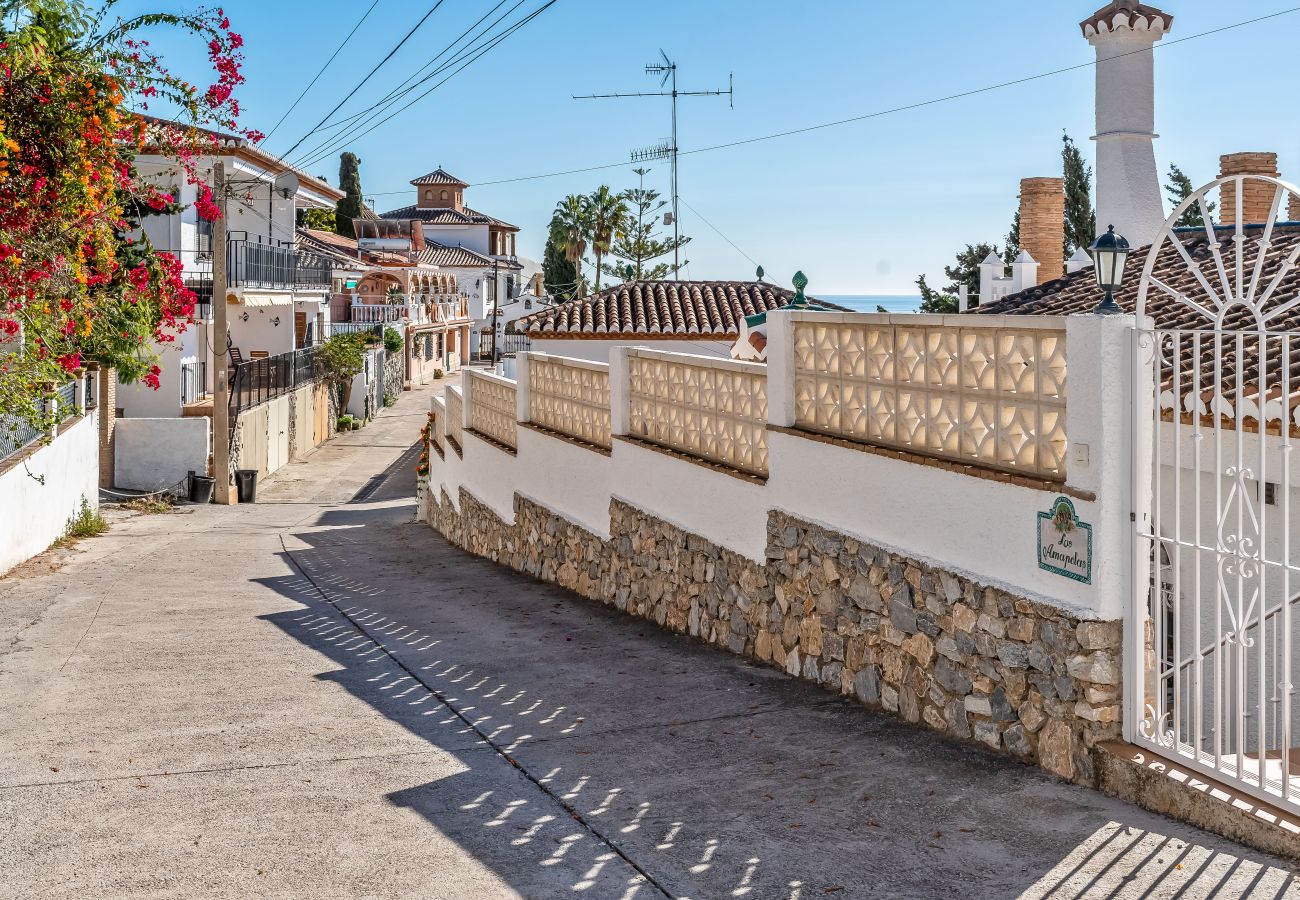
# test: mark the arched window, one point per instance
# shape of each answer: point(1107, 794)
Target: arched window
point(445, 195)
point(428, 195)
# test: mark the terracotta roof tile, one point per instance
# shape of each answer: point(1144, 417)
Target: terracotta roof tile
point(436, 254)
point(439, 176)
point(691, 309)
point(1078, 293)
point(334, 245)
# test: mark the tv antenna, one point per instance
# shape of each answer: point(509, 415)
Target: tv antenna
point(668, 148)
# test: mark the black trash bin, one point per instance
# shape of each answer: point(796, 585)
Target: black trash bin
point(201, 488)
point(246, 482)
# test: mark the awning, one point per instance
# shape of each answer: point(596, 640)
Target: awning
point(261, 299)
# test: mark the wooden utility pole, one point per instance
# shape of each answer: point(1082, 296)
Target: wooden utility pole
point(221, 382)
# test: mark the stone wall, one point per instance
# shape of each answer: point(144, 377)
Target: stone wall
point(394, 376)
point(965, 659)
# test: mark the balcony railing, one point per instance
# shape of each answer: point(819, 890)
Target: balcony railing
point(250, 264)
point(259, 380)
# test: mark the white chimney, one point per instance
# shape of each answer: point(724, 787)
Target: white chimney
point(1077, 263)
point(1124, 33)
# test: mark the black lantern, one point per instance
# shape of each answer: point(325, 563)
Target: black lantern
point(1109, 256)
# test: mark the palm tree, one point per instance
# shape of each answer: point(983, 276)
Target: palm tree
point(607, 214)
point(570, 226)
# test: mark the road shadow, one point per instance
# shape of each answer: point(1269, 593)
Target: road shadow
point(717, 777)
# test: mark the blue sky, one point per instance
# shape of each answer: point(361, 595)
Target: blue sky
point(862, 208)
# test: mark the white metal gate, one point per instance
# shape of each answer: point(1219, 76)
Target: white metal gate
point(1217, 551)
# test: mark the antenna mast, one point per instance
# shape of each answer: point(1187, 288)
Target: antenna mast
point(668, 149)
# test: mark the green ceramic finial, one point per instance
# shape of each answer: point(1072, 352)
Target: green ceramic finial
point(800, 282)
point(760, 273)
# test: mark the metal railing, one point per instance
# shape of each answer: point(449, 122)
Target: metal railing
point(335, 328)
point(507, 344)
point(251, 264)
point(17, 433)
point(194, 381)
point(259, 380)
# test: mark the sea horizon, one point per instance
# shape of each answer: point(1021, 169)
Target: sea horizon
point(894, 303)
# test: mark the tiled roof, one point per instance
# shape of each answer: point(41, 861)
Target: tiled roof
point(368, 214)
point(1078, 293)
point(336, 246)
point(454, 257)
point(1126, 12)
point(492, 220)
point(439, 176)
point(689, 309)
point(445, 215)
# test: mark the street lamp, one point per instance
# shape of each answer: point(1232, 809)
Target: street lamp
point(1109, 254)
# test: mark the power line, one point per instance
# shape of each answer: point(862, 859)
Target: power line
point(310, 84)
point(351, 126)
point(486, 49)
point(721, 235)
point(886, 112)
point(380, 64)
point(402, 89)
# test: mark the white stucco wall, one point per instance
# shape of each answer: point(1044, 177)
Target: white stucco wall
point(140, 401)
point(33, 514)
point(260, 331)
point(153, 454)
point(983, 528)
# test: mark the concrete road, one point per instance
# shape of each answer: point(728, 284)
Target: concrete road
point(315, 697)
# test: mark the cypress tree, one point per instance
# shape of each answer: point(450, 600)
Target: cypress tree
point(1179, 189)
point(349, 207)
point(559, 274)
point(1080, 219)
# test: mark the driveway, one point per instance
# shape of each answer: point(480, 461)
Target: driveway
point(314, 696)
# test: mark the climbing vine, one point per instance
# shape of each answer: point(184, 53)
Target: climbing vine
point(78, 282)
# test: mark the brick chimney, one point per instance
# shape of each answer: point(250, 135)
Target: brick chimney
point(1042, 224)
point(1257, 198)
point(1293, 208)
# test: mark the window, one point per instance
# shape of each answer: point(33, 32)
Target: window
point(428, 195)
point(444, 195)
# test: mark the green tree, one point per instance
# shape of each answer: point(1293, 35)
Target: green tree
point(317, 219)
point(570, 225)
point(349, 207)
point(1080, 218)
point(607, 216)
point(559, 274)
point(965, 272)
point(640, 244)
point(341, 359)
point(392, 339)
point(1179, 189)
point(1012, 249)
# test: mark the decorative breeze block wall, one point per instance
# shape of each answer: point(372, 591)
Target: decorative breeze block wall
point(570, 398)
point(994, 397)
point(716, 411)
point(492, 408)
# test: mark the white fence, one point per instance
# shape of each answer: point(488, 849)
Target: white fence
point(739, 449)
point(991, 396)
point(568, 396)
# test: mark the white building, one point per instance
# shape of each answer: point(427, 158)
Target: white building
point(277, 297)
point(475, 247)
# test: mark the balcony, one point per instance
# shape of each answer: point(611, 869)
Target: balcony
point(420, 309)
point(256, 265)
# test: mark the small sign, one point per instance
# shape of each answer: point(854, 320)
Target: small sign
point(1065, 543)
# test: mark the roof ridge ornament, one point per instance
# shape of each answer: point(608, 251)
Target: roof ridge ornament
point(800, 282)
